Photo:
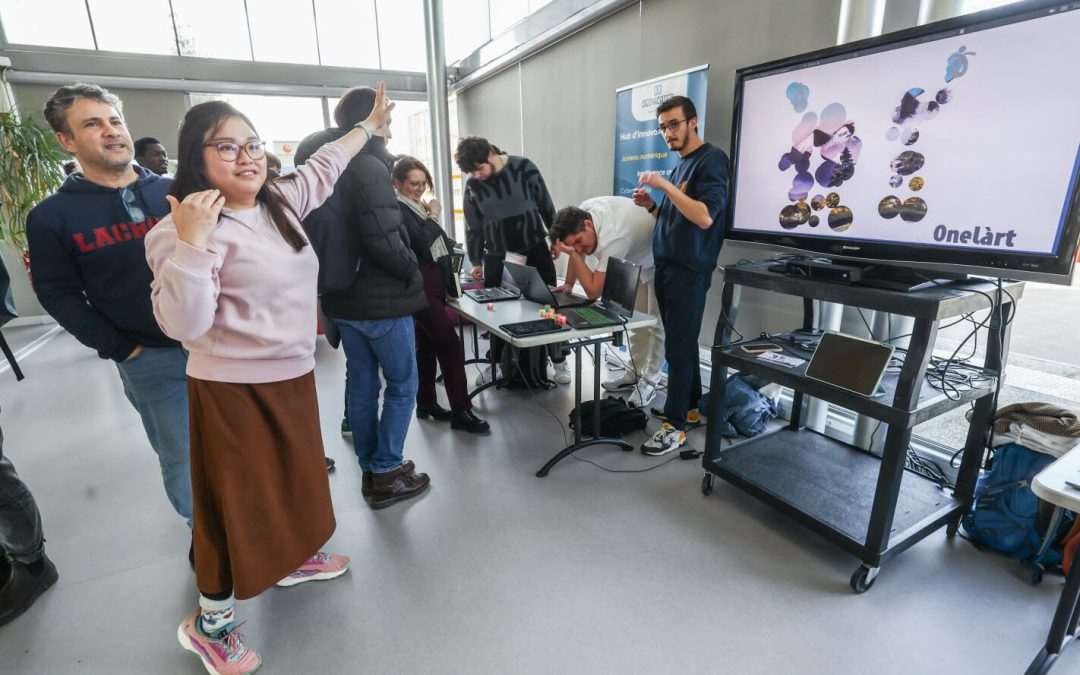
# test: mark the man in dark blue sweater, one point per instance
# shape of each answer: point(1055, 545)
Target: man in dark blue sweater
point(686, 244)
point(90, 272)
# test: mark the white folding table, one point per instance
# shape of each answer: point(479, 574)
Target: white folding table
point(514, 311)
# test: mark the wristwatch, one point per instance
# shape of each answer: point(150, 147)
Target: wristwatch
point(652, 209)
point(366, 127)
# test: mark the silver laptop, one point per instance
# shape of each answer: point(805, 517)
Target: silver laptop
point(851, 363)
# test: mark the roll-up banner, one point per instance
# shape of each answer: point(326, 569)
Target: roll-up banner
point(639, 145)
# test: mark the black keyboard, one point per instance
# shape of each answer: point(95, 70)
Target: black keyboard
point(492, 294)
point(535, 327)
point(589, 315)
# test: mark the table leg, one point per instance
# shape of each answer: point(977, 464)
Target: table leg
point(1063, 627)
point(596, 438)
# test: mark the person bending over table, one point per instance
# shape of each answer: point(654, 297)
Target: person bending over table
point(613, 227)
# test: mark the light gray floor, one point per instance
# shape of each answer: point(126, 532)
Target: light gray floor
point(493, 571)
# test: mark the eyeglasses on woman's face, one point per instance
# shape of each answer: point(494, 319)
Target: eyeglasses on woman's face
point(228, 151)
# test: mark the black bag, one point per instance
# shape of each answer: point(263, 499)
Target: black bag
point(617, 417)
point(524, 368)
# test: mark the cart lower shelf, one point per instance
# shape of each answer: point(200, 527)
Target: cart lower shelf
point(829, 487)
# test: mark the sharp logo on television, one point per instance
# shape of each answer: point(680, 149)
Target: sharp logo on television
point(963, 138)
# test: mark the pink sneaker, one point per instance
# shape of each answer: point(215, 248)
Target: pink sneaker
point(319, 567)
point(225, 655)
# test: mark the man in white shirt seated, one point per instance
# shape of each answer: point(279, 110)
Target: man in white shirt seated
point(602, 228)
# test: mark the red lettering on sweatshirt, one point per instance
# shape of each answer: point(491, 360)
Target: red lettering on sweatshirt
point(121, 232)
point(115, 234)
point(83, 246)
point(103, 237)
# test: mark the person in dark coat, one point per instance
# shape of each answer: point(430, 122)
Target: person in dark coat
point(374, 315)
point(435, 336)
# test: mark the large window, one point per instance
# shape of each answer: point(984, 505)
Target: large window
point(144, 27)
point(401, 35)
point(34, 22)
point(465, 23)
point(370, 34)
point(348, 33)
point(212, 28)
point(283, 31)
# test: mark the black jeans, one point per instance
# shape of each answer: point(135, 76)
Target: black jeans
point(680, 295)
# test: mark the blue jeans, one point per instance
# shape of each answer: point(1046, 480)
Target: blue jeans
point(20, 522)
point(156, 384)
point(389, 344)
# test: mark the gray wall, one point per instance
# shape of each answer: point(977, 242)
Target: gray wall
point(568, 102)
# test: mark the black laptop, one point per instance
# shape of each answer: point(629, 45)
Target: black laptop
point(533, 288)
point(496, 283)
point(616, 303)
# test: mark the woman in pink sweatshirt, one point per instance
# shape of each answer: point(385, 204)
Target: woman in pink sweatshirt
point(235, 281)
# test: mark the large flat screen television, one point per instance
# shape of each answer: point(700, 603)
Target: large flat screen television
point(952, 147)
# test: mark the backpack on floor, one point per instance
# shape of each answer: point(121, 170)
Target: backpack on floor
point(525, 368)
point(1007, 514)
point(617, 417)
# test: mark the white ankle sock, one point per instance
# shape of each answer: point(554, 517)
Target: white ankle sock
point(215, 615)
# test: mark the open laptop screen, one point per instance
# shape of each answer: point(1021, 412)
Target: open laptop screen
point(849, 362)
point(620, 286)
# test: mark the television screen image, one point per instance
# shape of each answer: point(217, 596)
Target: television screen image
point(953, 145)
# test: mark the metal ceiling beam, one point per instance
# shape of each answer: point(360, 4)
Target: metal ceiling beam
point(55, 65)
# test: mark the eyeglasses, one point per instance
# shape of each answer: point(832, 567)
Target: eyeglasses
point(673, 125)
point(228, 152)
point(131, 205)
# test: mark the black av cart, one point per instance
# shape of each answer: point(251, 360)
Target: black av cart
point(864, 503)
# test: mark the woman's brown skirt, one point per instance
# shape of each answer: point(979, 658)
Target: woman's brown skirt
point(258, 477)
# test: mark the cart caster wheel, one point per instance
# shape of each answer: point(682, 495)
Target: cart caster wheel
point(1036, 577)
point(951, 530)
point(707, 484)
point(864, 578)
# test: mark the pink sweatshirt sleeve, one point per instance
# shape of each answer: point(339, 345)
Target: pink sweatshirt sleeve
point(186, 285)
point(314, 181)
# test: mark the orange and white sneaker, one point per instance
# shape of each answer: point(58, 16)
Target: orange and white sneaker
point(319, 567)
point(225, 654)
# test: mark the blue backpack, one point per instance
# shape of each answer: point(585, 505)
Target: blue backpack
point(1006, 510)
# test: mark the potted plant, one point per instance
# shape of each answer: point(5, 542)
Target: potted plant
point(31, 168)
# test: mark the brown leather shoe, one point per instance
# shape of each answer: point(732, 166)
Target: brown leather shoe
point(21, 588)
point(395, 486)
point(365, 481)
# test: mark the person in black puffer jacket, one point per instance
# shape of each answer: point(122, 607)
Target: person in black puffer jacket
point(374, 315)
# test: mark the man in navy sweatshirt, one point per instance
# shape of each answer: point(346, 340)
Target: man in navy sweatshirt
point(686, 244)
point(90, 272)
